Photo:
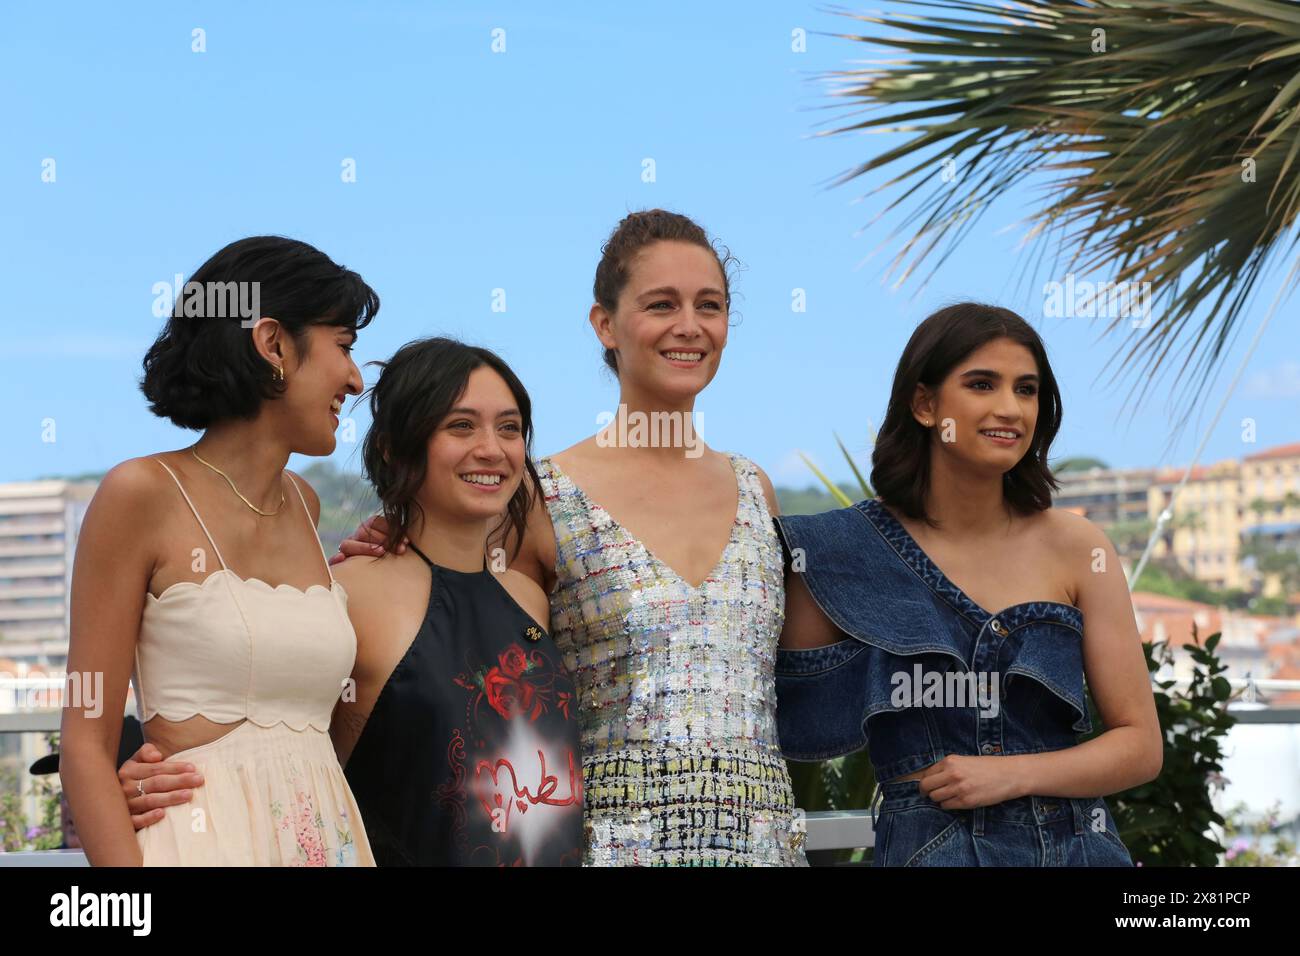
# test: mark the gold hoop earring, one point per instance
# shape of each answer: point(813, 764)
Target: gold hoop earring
point(278, 374)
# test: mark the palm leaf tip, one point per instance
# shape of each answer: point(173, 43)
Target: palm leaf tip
point(1171, 129)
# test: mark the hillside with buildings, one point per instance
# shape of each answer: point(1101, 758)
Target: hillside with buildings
point(1227, 558)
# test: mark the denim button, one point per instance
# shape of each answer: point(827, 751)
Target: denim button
point(987, 749)
point(997, 626)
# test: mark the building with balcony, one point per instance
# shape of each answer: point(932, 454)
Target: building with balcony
point(39, 521)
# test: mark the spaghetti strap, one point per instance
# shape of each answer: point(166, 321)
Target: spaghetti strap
point(324, 556)
point(195, 511)
point(424, 557)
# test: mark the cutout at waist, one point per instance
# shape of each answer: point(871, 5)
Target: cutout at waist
point(166, 741)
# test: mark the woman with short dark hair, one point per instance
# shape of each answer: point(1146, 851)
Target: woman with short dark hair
point(947, 624)
point(237, 668)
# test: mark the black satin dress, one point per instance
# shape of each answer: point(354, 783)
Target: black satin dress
point(471, 754)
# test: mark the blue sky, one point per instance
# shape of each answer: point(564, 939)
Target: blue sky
point(478, 170)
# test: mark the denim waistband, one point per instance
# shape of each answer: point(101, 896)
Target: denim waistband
point(1030, 810)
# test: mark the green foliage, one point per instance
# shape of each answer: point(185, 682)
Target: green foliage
point(1255, 842)
point(810, 500)
point(1168, 578)
point(346, 499)
point(845, 783)
point(16, 831)
point(1067, 465)
point(1274, 557)
point(1166, 821)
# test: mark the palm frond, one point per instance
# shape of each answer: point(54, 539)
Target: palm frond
point(840, 497)
point(1170, 130)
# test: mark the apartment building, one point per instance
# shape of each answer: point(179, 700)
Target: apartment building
point(1106, 496)
point(39, 521)
point(1217, 510)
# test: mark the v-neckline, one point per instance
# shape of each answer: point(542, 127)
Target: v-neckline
point(637, 542)
point(920, 561)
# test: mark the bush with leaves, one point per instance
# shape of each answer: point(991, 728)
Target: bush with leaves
point(1167, 821)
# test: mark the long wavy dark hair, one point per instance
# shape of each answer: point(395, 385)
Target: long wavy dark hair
point(900, 462)
point(415, 391)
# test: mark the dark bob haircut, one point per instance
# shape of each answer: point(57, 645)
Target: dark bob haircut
point(900, 462)
point(203, 367)
point(416, 390)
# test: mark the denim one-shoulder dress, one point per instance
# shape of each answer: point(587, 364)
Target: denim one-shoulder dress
point(926, 672)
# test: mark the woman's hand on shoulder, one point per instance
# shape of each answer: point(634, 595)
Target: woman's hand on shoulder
point(367, 541)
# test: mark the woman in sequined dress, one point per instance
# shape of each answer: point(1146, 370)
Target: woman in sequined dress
point(665, 579)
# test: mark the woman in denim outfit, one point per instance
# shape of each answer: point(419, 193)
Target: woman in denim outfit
point(970, 716)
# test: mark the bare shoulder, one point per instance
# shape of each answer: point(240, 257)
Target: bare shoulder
point(1074, 530)
point(1082, 549)
point(362, 576)
point(575, 452)
point(528, 595)
point(126, 520)
point(134, 483)
point(138, 474)
point(309, 493)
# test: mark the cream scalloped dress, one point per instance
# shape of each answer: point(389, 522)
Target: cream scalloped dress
point(233, 649)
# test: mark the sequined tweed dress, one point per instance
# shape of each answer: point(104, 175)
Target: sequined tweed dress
point(676, 688)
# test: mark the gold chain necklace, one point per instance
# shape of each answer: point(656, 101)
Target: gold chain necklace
point(236, 490)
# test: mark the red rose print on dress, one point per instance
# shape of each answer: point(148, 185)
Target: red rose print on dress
point(521, 684)
point(513, 661)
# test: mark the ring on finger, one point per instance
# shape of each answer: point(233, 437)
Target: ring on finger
point(139, 786)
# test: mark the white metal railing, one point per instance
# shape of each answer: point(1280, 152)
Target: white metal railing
point(826, 829)
point(44, 858)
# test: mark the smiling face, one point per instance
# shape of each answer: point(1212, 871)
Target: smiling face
point(318, 378)
point(476, 453)
point(671, 323)
point(985, 410)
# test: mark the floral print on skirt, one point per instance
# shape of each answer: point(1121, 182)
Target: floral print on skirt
point(271, 796)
